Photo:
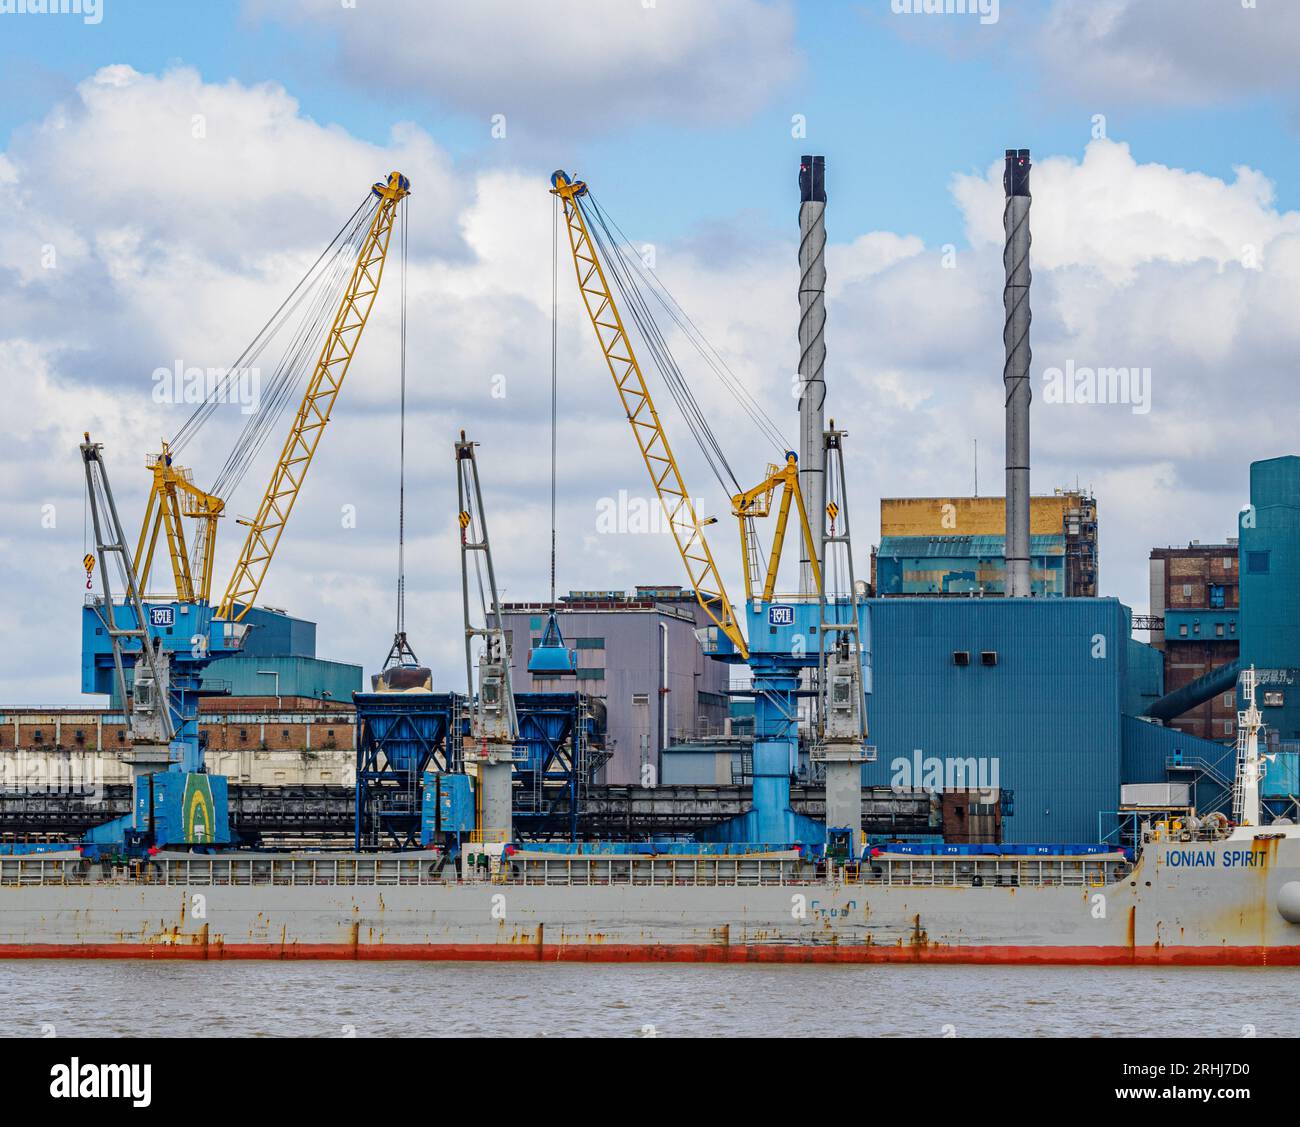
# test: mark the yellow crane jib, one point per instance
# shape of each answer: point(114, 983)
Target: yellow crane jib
point(757, 502)
point(624, 368)
point(173, 495)
point(265, 529)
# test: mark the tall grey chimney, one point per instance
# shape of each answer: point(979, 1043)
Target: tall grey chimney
point(1015, 371)
point(812, 349)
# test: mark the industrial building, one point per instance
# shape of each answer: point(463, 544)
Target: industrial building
point(1194, 611)
point(275, 714)
point(938, 546)
point(640, 655)
point(1269, 533)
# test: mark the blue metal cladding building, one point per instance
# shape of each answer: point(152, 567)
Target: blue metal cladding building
point(1031, 690)
point(1269, 545)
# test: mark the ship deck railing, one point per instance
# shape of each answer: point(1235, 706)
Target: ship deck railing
point(588, 871)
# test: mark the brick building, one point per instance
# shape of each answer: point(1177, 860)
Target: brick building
point(1195, 590)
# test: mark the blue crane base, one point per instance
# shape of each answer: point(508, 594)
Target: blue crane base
point(783, 642)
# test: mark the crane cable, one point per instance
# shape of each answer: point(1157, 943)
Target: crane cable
point(710, 355)
point(555, 321)
point(314, 302)
point(634, 302)
point(299, 358)
point(403, 216)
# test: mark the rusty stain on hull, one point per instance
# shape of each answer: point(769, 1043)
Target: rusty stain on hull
point(679, 952)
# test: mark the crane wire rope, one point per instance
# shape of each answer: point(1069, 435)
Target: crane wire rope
point(634, 302)
point(710, 355)
point(306, 313)
point(555, 321)
point(404, 217)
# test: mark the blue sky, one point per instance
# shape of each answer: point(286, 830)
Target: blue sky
point(899, 102)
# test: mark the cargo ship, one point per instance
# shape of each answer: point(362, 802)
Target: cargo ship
point(1191, 897)
point(1192, 891)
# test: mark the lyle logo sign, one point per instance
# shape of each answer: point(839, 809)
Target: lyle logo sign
point(162, 616)
point(780, 615)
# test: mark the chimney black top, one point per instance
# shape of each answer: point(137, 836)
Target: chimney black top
point(1015, 174)
point(812, 179)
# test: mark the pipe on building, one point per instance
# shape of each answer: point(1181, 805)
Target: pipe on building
point(663, 698)
point(812, 347)
point(1015, 370)
point(1183, 700)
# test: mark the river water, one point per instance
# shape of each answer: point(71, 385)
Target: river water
point(339, 999)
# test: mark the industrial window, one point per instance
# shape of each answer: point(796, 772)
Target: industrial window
point(37, 736)
point(640, 698)
point(1227, 564)
point(1227, 727)
point(121, 736)
point(1273, 700)
point(1228, 702)
point(1216, 595)
point(243, 733)
point(591, 674)
point(79, 736)
point(1218, 629)
point(1257, 562)
point(1182, 630)
point(591, 643)
point(1187, 590)
point(329, 732)
point(284, 733)
point(961, 657)
point(988, 657)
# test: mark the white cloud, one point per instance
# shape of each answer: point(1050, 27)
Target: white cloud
point(577, 63)
point(1171, 51)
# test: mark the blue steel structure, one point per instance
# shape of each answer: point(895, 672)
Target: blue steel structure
point(406, 738)
point(561, 738)
point(400, 737)
point(783, 642)
point(189, 638)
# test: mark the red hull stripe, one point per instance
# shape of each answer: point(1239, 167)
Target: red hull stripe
point(671, 953)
